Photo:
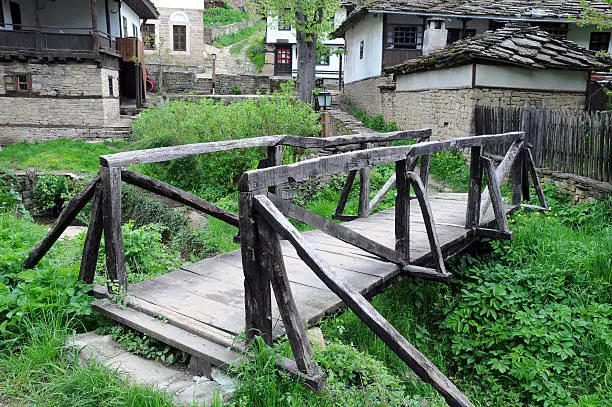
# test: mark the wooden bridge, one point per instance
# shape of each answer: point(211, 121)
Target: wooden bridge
point(281, 280)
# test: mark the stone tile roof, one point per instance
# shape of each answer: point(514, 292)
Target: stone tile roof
point(510, 9)
point(514, 44)
point(144, 8)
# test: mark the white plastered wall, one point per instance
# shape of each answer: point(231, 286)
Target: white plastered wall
point(370, 31)
point(453, 78)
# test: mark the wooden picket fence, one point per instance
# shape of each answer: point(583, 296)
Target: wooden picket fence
point(575, 142)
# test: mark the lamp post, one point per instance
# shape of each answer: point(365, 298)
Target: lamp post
point(214, 72)
point(324, 98)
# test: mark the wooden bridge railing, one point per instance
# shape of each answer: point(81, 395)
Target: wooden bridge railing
point(105, 190)
point(263, 218)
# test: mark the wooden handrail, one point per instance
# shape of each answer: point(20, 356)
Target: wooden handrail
point(336, 164)
point(162, 154)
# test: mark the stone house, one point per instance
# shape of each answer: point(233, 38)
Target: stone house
point(515, 65)
point(281, 51)
point(66, 66)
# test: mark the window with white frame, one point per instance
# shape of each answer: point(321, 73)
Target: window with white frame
point(179, 23)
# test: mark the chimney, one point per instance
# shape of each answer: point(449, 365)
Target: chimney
point(434, 37)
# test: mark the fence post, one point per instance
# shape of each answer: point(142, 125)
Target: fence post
point(257, 294)
point(275, 157)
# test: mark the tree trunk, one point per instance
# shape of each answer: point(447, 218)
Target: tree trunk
point(307, 62)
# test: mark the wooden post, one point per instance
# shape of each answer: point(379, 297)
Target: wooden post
point(94, 26)
point(346, 190)
point(273, 266)
point(257, 293)
point(402, 208)
point(91, 248)
point(113, 236)
point(495, 193)
point(517, 179)
point(275, 158)
point(36, 24)
point(472, 216)
point(364, 187)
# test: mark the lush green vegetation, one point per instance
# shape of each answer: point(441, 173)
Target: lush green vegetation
point(214, 176)
point(220, 16)
point(62, 154)
point(241, 35)
point(376, 123)
point(256, 52)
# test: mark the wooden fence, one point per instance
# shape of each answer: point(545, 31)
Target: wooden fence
point(574, 142)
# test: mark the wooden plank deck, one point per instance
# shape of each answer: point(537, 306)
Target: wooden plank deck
point(206, 298)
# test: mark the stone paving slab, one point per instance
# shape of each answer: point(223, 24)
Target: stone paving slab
point(186, 388)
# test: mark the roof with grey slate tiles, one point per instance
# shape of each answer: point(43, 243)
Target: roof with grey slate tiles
point(514, 44)
point(537, 10)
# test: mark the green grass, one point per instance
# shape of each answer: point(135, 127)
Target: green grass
point(233, 38)
point(257, 52)
point(220, 16)
point(61, 154)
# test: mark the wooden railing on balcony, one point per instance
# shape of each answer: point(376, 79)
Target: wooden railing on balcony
point(50, 42)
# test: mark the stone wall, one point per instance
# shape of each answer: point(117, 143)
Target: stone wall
point(185, 80)
point(582, 189)
point(448, 112)
point(70, 99)
point(211, 33)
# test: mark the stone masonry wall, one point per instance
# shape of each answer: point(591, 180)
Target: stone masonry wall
point(67, 100)
point(448, 112)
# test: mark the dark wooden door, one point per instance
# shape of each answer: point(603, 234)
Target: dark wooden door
point(283, 60)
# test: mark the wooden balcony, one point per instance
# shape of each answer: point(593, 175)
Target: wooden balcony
point(39, 43)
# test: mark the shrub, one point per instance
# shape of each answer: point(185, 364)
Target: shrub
point(256, 52)
point(215, 175)
point(376, 123)
point(236, 90)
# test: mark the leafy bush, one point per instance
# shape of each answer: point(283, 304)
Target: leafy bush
point(452, 169)
point(236, 90)
point(256, 52)
point(9, 198)
point(220, 16)
point(376, 123)
point(140, 344)
point(50, 192)
point(215, 175)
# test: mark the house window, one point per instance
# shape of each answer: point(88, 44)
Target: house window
point(110, 86)
point(125, 31)
point(179, 37)
point(20, 83)
point(283, 25)
point(406, 36)
point(454, 34)
point(361, 50)
point(148, 36)
point(15, 15)
point(135, 30)
point(2, 24)
point(556, 30)
point(599, 41)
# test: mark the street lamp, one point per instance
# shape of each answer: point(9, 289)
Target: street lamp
point(324, 98)
point(214, 59)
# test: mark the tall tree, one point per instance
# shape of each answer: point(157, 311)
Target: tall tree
point(312, 21)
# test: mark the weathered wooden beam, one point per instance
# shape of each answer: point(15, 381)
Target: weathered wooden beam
point(273, 264)
point(472, 216)
point(66, 217)
point(164, 189)
point(501, 172)
point(530, 163)
point(91, 248)
point(275, 158)
point(430, 225)
point(494, 234)
point(364, 188)
point(257, 293)
point(338, 231)
point(113, 236)
point(317, 142)
point(427, 273)
point(161, 154)
point(344, 218)
point(422, 366)
point(495, 195)
point(402, 208)
point(382, 193)
point(346, 190)
point(355, 160)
